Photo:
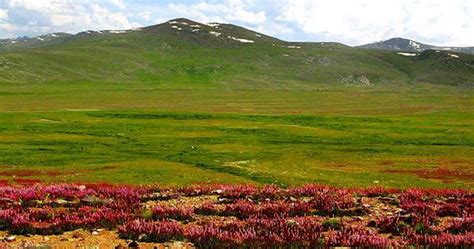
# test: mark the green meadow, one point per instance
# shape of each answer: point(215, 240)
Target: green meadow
point(159, 105)
point(404, 136)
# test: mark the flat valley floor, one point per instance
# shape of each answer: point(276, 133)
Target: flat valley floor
point(390, 136)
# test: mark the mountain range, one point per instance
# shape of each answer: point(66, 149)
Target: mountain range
point(187, 54)
point(406, 45)
point(393, 44)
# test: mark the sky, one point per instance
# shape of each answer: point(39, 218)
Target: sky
point(352, 22)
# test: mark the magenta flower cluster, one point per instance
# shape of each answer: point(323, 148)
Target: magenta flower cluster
point(215, 216)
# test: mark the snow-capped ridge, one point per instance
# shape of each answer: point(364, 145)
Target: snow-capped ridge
point(407, 54)
point(407, 45)
point(241, 39)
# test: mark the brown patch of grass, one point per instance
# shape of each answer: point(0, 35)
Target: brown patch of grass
point(29, 173)
point(386, 163)
point(442, 174)
point(108, 167)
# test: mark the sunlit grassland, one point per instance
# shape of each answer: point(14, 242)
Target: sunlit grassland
point(136, 134)
point(382, 99)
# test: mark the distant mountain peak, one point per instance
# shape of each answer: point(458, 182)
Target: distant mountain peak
point(211, 34)
point(207, 34)
point(181, 19)
point(407, 45)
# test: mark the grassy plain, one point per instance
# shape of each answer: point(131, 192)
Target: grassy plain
point(395, 136)
point(169, 106)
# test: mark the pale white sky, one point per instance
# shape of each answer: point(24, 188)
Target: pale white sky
point(353, 22)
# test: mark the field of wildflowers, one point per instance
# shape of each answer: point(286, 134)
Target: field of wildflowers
point(215, 216)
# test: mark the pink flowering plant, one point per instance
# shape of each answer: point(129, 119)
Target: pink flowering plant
point(216, 216)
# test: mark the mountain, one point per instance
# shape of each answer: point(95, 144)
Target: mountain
point(212, 34)
point(39, 41)
point(182, 53)
point(406, 45)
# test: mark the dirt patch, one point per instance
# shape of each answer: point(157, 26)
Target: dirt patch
point(336, 165)
point(108, 167)
point(386, 163)
point(46, 120)
point(81, 239)
point(458, 161)
point(442, 174)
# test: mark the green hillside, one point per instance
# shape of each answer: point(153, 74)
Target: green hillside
point(185, 54)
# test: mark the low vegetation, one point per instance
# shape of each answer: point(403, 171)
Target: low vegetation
point(216, 216)
point(139, 135)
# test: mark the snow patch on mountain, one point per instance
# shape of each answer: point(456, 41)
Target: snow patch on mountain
point(407, 54)
point(213, 24)
point(414, 45)
point(240, 39)
point(117, 31)
point(215, 33)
